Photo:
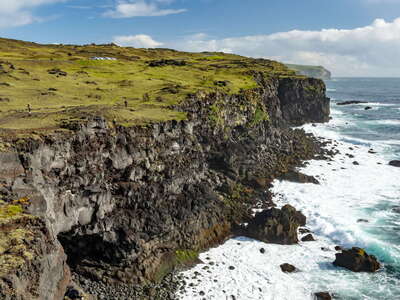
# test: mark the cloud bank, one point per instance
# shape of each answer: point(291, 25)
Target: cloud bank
point(137, 41)
point(141, 8)
point(373, 50)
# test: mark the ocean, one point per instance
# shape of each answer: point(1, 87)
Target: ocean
point(347, 194)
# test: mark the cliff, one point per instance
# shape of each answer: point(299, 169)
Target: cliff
point(311, 71)
point(127, 202)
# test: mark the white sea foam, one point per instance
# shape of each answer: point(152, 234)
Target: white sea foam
point(331, 90)
point(346, 193)
point(386, 122)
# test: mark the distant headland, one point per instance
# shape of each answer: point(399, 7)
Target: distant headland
point(311, 71)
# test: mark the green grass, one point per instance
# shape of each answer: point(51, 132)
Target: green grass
point(102, 88)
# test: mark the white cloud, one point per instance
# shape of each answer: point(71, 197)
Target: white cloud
point(141, 8)
point(366, 51)
point(138, 41)
point(19, 12)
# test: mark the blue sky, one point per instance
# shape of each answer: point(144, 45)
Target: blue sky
point(289, 30)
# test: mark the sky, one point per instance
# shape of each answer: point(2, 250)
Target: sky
point(349, 37)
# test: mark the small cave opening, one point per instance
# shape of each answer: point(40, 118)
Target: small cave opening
point(84, 249)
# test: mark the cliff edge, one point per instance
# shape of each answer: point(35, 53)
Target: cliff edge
point(123, 192)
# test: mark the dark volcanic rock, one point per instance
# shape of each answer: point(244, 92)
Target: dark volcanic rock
point(308, 238)
point(395, 163)
point(322, 296)
point(350, 102)
point(368, 108)
point(356, 260)
point(298, 177)
point(125, 203)
point(277, 226)
point(288, 268)
point(166, 62)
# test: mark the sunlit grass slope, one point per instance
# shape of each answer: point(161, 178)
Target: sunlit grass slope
point(62, 83)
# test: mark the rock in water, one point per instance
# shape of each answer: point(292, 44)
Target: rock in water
point(294, 176)
point(357, 260)
point(323, 296)
point(278, 226)
point(288, 268)
point(351, 102)
point(395, 163)
point(308, 238)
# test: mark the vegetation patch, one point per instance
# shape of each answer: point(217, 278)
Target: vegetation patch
point(45, 86)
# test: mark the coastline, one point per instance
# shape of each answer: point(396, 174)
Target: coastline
point(258, 276)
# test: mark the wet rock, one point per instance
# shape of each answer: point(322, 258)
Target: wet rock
point(368, 108)
point(231, 268)
point(262, 250)
point(308, 238)
point(356, 163)
point(362, 221)
point(338, 248)
point(288, 268)
point(350, 102)
point(304, 230)
point(395, 163)
point(357, 260)
point(322, 296)
point(278, 226)
point(294, 176)
point(396, 209)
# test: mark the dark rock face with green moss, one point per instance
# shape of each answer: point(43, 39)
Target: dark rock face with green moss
point(128, 204)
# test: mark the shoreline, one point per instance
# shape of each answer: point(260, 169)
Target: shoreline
point(321, 253)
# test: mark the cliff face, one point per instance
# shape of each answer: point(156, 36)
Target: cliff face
point(124, 203)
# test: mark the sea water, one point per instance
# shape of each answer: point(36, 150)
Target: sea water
point(354, 205)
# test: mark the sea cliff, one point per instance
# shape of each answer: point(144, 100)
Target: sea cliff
point(126, 204)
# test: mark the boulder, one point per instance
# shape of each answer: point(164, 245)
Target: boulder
point(278, 226)
point(323, 296)
point(294, 176)
point(288, 268)
point(350, 102)
point(368, 108)
point(356, 260)
point(395, 163)
point(308, 238)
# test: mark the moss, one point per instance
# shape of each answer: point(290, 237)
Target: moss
point(9, 211)
point(183, 257)
point(259, 116)
point(15, 237)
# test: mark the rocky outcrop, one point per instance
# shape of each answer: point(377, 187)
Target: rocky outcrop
point(288, 268)
point(298, 101)
point(277, 226)
point(33, 265)
point(356, 260)
point(298, 177)
point(351, 102)
point(125, 203)
point(323, 296)
point(395, 163)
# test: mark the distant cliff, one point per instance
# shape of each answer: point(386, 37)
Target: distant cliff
point(311, 71)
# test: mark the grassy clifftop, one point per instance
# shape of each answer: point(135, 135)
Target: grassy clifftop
point(62, 83)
